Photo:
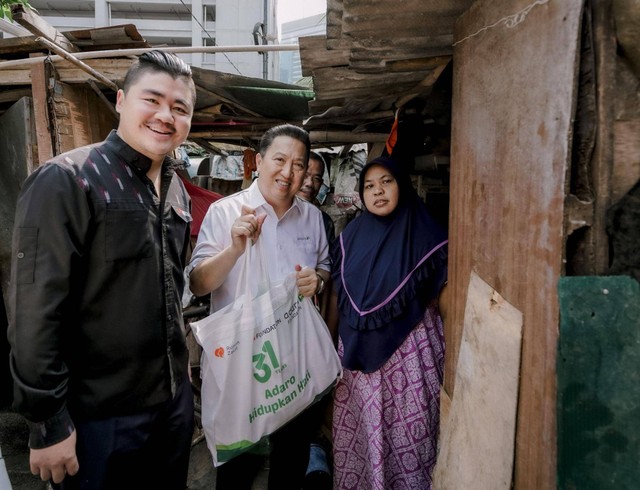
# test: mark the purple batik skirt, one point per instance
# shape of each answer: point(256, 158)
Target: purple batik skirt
point(385, 423)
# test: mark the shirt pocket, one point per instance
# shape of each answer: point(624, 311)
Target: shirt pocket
point(308, 248)
point(182, 213)
point(25, 256)
point(127, 234)
point(179, 225)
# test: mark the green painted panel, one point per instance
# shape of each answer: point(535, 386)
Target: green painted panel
point(599, 383)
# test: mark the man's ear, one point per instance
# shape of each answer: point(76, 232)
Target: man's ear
point(258, 161)
point(119, 99)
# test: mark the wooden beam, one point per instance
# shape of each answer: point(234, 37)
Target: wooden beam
point(14, 95)
point(19, 45)
point(603, 160)
point(41, 112)
point(349, 118)
point(114, 69)
point(345, 137)
point(250, 132)
point(410, 63)
point(424, 86)
point(16, 77)
point(39, 27)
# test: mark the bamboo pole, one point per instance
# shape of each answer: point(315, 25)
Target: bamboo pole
point(72, 59)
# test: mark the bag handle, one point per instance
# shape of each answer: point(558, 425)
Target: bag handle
point(252, 262)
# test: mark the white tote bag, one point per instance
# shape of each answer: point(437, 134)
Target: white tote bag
point(266, 357)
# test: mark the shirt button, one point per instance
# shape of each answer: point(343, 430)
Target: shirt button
point(21, 255)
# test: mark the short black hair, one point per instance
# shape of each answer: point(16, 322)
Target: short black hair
point(319, 158)
point(290, 130)
point(159, 61)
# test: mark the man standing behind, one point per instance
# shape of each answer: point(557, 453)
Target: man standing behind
point(318, 473)
point(294, 236)
point(98, 352)
point(311, 186)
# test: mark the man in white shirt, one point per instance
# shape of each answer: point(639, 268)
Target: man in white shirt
point(294, 239)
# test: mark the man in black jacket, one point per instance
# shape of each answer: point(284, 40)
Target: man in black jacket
point(98, 352)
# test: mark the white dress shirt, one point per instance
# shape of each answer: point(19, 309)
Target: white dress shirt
point(296, 238)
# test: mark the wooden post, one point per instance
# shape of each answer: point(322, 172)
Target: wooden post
point(40, 93)
point(605, 54)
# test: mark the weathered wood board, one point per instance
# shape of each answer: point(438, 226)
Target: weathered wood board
point(513, 103)
point(626, 153)
point(16, 148)
point(476, 445)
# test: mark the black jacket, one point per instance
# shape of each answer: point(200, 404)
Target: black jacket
point(96, 324)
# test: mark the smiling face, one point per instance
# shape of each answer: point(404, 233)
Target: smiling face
point(281, 171)
point(155, 113)
point(381, 191)
point(312, 181)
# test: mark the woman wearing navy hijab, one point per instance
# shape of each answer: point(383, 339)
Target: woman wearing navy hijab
point(390, 266)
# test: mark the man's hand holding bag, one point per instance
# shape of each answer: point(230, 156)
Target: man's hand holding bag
point(266, 357)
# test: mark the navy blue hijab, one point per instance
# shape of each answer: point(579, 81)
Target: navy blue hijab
point(386, 272)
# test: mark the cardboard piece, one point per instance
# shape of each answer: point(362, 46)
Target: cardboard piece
point(477, 443)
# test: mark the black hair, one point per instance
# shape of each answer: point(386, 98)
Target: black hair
point(290, 130)
point(319, 158)
point(159, 61)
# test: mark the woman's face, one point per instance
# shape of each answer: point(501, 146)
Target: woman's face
point(381, 192)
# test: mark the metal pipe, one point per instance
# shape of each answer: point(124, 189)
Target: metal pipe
point(112, 53)
point(265, 30)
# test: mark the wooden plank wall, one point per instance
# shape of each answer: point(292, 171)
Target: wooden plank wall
point(82, 118)
point(513, 102)
point(17, 149)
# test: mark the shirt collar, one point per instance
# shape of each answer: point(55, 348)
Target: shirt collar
point(256, 199)
point(132, 157)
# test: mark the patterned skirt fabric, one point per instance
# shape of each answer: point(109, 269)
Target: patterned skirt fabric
point(385, 424)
